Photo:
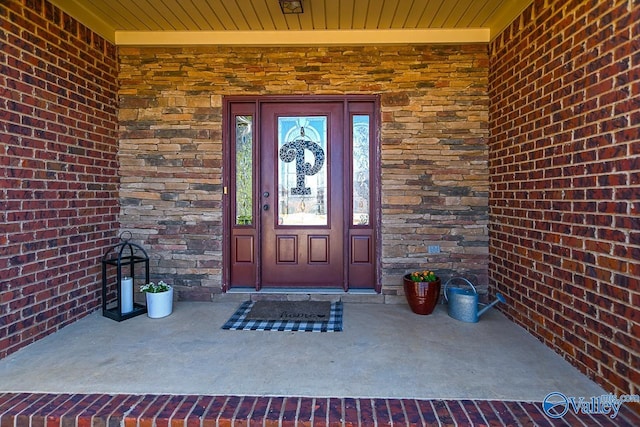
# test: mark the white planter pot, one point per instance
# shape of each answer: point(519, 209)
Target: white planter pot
point(159, 304)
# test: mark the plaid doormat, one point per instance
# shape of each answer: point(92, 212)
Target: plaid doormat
point(239, 321)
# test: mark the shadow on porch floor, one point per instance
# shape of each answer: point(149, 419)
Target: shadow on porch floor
point(385, 354)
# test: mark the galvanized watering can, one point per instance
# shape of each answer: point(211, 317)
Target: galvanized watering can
point(463, 302)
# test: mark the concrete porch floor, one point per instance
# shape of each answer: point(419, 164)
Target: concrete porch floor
point(385, 351)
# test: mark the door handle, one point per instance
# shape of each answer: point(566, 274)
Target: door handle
point(265, 207)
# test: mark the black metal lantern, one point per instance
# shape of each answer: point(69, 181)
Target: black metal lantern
point(124, 257)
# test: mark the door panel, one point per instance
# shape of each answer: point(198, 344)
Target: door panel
point(286, 249)
point(244, 249)
point(302, 218)
point(360, 249)
point(318, 249)
point(241, 228)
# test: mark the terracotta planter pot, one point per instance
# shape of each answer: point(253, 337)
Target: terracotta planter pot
point(421, 296)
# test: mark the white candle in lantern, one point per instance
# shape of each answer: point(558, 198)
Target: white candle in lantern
point(126, 295)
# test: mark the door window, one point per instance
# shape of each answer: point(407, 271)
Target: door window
point(302, 171)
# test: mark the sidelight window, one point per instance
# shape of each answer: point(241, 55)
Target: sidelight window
point(361, 175)
point(244, 170)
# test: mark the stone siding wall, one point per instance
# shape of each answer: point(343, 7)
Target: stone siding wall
point(565, 182)
point(58, 170)
point(433, 146)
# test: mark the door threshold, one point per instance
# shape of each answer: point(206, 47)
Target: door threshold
point(315, 291)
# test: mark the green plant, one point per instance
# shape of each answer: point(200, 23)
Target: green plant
point(155, 289)
point(423, 276)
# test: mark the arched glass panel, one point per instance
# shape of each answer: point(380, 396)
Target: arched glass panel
point(302, 171)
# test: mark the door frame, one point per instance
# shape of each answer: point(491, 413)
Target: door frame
point(350, 103)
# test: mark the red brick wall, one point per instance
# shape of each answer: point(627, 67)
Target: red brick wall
point(58, 169)
point(565, 182)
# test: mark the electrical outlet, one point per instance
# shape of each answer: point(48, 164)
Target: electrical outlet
point(434, 249)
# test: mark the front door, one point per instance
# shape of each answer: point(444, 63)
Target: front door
point(301, 210)
point(302, 189)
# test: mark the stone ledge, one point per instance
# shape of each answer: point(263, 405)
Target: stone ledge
point(365, 296)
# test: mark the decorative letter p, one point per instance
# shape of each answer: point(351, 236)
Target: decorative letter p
point(294, 150)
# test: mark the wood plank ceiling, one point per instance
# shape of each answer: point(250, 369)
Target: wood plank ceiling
point(129, 18)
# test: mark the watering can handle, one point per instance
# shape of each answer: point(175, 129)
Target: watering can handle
point(446, 286)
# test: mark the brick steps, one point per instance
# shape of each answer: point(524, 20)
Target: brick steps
point(105, 410)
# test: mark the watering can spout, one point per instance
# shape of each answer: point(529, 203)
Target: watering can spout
point(500, 298)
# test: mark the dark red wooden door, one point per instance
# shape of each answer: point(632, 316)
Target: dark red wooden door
point(302, 193)
point(302, 200)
